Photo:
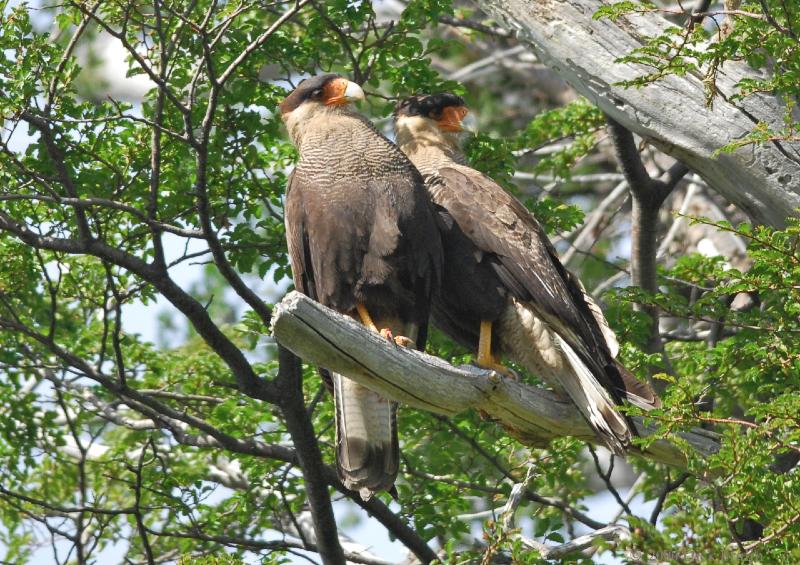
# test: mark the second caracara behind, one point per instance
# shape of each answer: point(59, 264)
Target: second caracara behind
point(362, 240)
point(505, 292)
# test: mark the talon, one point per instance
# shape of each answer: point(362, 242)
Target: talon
point(507, 372)
point(500, 369)
point(404, 341)
point(386, 333)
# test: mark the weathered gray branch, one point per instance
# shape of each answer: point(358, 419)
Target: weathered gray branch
point(609, 533)
point(533, 415)
point(763, 180)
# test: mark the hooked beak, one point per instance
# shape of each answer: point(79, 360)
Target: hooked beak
point(451, 118)
point(341, 91)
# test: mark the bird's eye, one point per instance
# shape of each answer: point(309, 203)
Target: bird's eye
point(316, 93)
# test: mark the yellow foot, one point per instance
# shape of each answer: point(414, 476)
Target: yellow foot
point(486, 358)
point(365, 317)
point(400, 340)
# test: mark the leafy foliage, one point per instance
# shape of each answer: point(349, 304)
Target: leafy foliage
point(764, 33)
point(178, 450)
point(752, 376)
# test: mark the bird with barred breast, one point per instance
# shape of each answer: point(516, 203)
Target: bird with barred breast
point(362, 240)
point(504, 292)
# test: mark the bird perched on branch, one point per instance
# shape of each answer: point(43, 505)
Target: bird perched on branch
point(362, 240)
point(505, 292)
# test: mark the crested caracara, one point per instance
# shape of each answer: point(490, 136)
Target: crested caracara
point(504, 291)
point(362, 240)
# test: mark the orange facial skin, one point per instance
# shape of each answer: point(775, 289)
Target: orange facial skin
point(451, 117)
point(333, 92)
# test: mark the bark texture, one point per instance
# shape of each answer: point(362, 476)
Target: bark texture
point(323, 337)
point(763, 180)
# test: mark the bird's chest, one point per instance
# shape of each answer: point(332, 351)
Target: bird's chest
point(343, 158)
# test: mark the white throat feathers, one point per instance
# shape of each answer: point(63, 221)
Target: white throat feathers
point(416, 134)
point(314, 115)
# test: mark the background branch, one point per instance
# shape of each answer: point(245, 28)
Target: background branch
point(290, 385)
point(674, 114)
point(648, 196)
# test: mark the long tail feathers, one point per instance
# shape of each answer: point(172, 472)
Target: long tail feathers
point(638, 393)
point(594, 402)
point(367, 449)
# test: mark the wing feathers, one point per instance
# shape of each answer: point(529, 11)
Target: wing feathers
point(638, 393)
point(528, 265)
point(498, 223)
point(597, 313)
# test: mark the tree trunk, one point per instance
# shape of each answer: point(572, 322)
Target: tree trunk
point(763, 180)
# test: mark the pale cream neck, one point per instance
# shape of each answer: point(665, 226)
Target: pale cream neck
point(418, 136)
point(314, 118)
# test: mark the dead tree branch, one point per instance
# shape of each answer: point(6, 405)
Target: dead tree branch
point(532, 415)
point(673, 114)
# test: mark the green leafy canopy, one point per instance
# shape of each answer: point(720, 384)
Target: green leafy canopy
point(110, 443)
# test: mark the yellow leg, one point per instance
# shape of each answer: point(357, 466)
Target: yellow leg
point(366, 319)
point(485, 357)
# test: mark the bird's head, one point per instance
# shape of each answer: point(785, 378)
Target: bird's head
point(320, 94)
point(435, 118)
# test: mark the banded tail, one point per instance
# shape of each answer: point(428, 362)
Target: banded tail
point(367, 448)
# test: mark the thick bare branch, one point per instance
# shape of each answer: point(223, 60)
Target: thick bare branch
point(672, 114)
point(648, 196)
point(534, 416)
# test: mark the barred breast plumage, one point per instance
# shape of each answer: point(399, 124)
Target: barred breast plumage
point(363, 240)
